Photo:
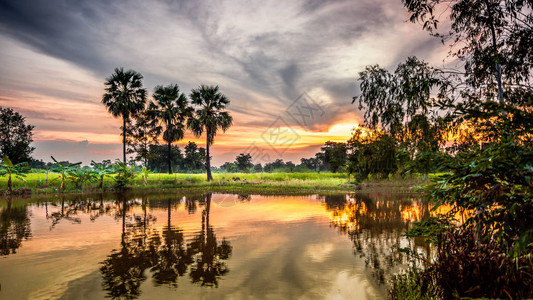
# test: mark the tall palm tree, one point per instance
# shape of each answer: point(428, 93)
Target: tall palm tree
point(172, 108)
point(210, 116)
point(124, 97)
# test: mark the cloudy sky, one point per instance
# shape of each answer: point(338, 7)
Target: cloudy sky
point(288, 67)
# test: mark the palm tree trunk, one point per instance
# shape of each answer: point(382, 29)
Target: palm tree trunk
point(169, 158)
point(124, 139)
point(208, 160)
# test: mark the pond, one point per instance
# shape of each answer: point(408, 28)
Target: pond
point(208, 246)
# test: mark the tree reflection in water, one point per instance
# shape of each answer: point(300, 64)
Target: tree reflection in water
point(14, 227)
point(208, 256)
point(376, 226)
point(165, 255)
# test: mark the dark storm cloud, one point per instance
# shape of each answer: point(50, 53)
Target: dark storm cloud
point(63, 29)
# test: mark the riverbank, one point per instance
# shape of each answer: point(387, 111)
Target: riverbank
point(265, 183)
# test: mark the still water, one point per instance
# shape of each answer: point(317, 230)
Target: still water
point(204, 246)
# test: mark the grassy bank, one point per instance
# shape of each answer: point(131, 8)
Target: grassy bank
point(38, 183)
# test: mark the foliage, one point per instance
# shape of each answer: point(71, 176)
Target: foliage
point(334, 156)
point(158, 158)
point(144, 175)
point(492, 37)
point(64, 171)
point(102, 170)
point(7, 168)
point(124, 97)
point(371, 152)
point(210, 116)
point(172, 108)
point(81, 176)
point(142, 131)
point(124, 176)
point(194, 160)
point(466, 268)
point(244, 162)
point(15, 136)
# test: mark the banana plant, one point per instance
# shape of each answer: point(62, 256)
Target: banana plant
point(9, 169)
point(81, 176)
point(102, 170)
point(144, 175)
point(64, 172)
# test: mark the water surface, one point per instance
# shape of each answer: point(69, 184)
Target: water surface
point(205, 246)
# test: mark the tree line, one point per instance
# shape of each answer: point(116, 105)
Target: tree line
point(169, 114)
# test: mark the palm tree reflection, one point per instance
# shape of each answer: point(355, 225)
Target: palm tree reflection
point(209, 256)
point(164, 255)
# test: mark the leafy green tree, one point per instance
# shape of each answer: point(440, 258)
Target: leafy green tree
point(142, 130)
point(492, 37)
point(15, 136)
point(229, 167)
point(172, 108)
point(210, 116)
point(7, 168)
point(194, 159)
point(158, 158)
point(244, 162)
point(124, 176)
point(258, 168)
point(124, 97)
point(371, 152)
point(335, 156)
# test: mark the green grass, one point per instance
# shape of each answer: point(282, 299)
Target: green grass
point(225, 182)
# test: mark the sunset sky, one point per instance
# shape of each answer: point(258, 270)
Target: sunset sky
point(275, 60)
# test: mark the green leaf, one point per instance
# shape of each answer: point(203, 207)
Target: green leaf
point(8, 162)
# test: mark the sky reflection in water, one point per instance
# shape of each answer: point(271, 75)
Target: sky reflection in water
point(204, 246)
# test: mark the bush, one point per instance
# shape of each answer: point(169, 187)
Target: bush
point(465, 267)
point(124, 176)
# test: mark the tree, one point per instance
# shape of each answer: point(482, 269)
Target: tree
point(492, 37)
point(158, 158)
point(142, 132)
point(258, 168)
point(334, 156)
point(390, 101)
point(124, 97)
point(244, 162)
point(229, 167)
point(371, 152)
point(172, 108)
point(210, 116)
point(15, 136)
point(194, 159)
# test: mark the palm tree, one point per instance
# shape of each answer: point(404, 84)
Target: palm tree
point(124, 97)
point(210, 116)
point(172, 108)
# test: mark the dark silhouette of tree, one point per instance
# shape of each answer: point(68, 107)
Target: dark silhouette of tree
point(124, 97)
point(194, 157)
point(210, 116)
point(173, 259)
point(15, 136)
point(14, 227)
point(244, 162)
point(172, 108)
point(208, 255)
point(158, 158)
point(123, 270)
point(143, 131)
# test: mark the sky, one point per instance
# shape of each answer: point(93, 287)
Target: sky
point(289, 68)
